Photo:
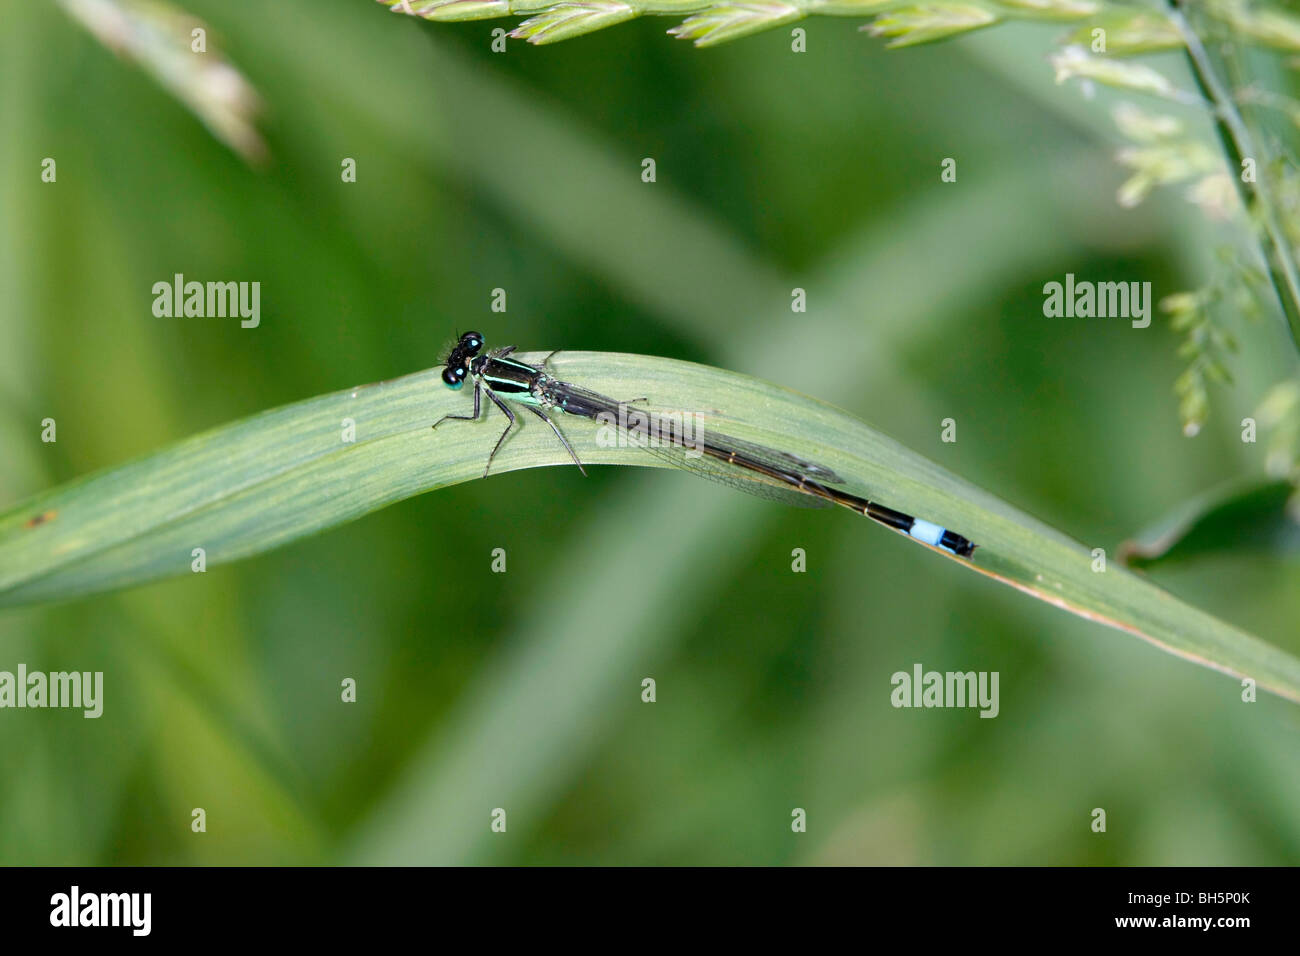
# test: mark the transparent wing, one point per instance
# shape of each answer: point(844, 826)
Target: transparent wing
point(751, 483)
point(664, 437)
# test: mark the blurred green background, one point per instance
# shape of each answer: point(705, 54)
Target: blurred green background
point(522, 690)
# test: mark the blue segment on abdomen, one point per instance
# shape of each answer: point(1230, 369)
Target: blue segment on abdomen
point(925, 531)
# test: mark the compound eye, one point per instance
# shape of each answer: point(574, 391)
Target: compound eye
point(454, 376)
point(471, 342)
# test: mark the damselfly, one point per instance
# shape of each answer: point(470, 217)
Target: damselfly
point(752, 468)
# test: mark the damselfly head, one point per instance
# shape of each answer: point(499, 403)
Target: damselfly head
point(466, 347)
point(453, 376)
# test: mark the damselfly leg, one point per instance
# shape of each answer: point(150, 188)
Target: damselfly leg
point(558, 434)
point(505, 409)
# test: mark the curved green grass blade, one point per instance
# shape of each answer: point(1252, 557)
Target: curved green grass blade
point(258, 483)
point(1255, 515)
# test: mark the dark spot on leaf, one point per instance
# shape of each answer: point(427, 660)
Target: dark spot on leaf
point(40, 519)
